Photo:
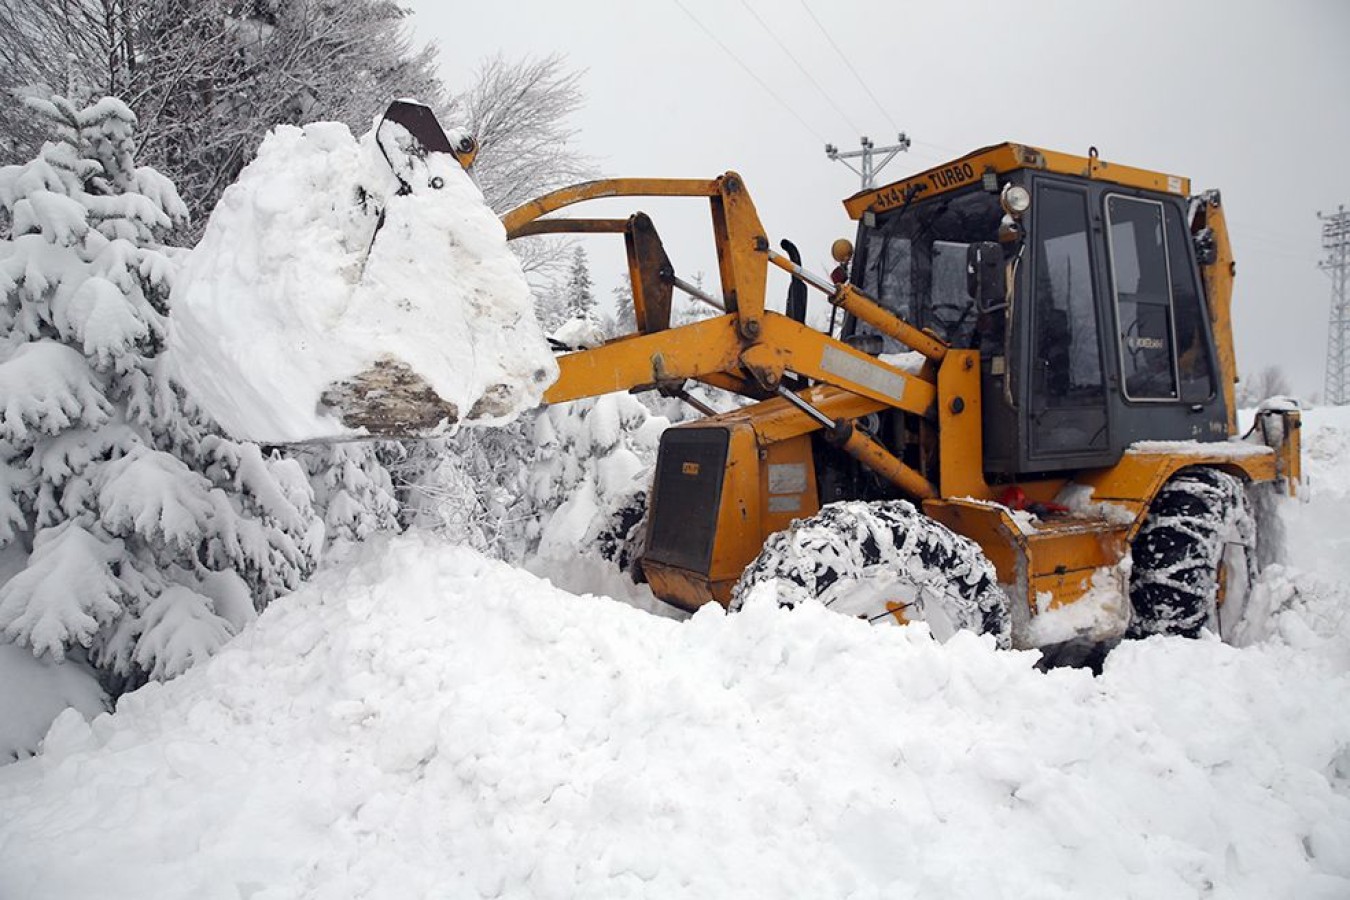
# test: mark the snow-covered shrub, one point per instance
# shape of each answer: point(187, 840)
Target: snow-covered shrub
point(566, 481)
point(143, 535)
point(472, 486)
point(594, 461)
point(551, 483)
point(353, 491)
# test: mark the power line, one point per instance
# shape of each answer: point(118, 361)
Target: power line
point(801, 68)
point(947, 152)
point(729, 52)
point(894, 126)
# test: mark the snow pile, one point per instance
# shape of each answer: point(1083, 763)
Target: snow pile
point(427, 722)
point(319, 268)
point(35, 691)
point(1101, 614)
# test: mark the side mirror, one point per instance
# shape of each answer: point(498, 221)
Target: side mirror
point(984, 275)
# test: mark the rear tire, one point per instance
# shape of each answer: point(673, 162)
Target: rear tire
point(885, 562)
point(1194, 559)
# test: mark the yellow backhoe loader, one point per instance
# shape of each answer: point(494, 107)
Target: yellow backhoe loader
point(1029, 405)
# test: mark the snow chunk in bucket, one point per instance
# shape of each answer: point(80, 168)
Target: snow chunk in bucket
point(346, 289)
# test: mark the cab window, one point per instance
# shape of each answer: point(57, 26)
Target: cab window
point(913, 262)
point(1194, 363)
point(1142, 283)
point(1067, 352)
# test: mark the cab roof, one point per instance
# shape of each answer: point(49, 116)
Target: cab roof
point(1009, 157)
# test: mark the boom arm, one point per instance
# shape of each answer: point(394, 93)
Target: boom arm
point(747, 346)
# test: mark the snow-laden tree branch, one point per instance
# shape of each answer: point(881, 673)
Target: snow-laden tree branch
point(207, 78)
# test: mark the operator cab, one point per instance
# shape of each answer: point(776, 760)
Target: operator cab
point(1078, 283)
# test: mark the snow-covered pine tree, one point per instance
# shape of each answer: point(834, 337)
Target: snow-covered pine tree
point(687, 309)
point(129, 525)
point(353, 491)
point(550, 304)
point(625, 316)
point(578, 296)
point(210, 77)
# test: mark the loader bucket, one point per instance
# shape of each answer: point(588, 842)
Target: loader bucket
point(358, 289)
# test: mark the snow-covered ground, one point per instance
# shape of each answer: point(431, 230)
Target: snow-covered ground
point(426, 722)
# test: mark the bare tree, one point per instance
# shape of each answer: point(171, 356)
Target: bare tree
point(207, 78)
point(1269, 382)
point(519, 111)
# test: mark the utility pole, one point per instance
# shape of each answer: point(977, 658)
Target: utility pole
point(1336, 241)
point(868, 153)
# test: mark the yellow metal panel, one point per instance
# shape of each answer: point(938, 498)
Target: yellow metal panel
point(989, 526)
point(1218, 279)
point(1065, 544)
point(1058, 557)
point(1004, 158)
point(938, 180)
point(1063, 587)
point(1289, 449)
point(961, 448)
point(787, 486)
point(740, 533)
point(1136, 479)
point(685, 589)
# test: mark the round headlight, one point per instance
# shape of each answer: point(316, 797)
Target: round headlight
point(842, 250)
point(1015, 199)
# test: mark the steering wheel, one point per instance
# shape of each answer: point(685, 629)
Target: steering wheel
point(1131, 342)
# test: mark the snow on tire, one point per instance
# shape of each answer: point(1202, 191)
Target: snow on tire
point(885, 562)
point(1194, 557)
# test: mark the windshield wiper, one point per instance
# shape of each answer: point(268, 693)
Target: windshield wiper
point(893, 224)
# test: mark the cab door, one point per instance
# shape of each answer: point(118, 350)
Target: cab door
point(1067, 410)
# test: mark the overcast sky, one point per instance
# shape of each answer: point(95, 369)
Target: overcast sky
point(1249, 97)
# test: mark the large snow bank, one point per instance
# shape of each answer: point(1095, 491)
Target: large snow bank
point(426, 722)
point(292, 291)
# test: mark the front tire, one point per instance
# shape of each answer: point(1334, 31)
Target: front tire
point(1194, 558)
point(885, 562)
